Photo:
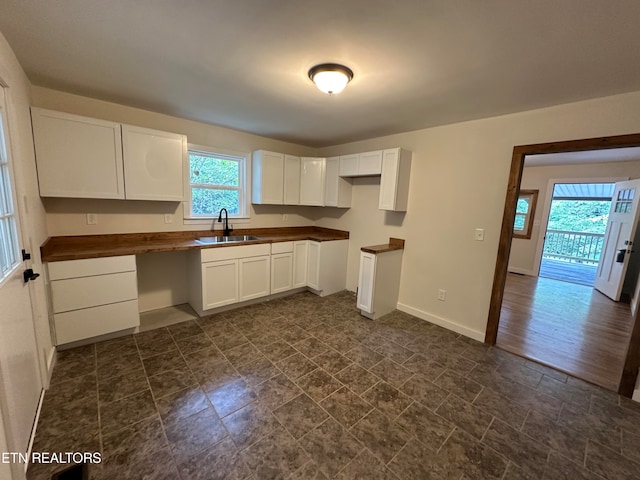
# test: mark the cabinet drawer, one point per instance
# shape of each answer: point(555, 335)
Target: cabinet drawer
point(281, 247)
point(91, 322)
point(90, 267)
point(230, 253)
point(77, 293)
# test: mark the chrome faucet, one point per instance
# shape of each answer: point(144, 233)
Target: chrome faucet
point(226, 230)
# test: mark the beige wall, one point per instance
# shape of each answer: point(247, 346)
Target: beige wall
point(523, 257)
point(458, 183)
point(68, 216)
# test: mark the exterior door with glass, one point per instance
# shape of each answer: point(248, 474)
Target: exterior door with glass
point(618, 239)
point(20, 381)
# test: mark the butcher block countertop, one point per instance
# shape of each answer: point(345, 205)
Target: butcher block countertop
point(394, 244)
point(56, 249)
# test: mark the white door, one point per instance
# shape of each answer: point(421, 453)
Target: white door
point(618, 239)
point(20, 381)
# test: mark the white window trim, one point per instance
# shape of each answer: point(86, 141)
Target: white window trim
point(12, 206)
point(244, 216)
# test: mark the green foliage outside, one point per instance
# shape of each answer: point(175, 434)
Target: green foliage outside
point(585, 216)
point(579, 215)
point(206, 170)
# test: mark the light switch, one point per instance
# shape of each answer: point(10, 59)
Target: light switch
point(479, 234)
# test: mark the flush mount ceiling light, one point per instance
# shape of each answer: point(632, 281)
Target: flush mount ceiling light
point(330, 77)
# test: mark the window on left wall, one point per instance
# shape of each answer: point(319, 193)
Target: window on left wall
point(9, 246)
point(217, 179)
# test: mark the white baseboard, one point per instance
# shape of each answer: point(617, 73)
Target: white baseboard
point(449, 325)
point(522, 271)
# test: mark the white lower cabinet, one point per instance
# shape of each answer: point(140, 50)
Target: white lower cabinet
point(219, 284)
point(255, 277)
point(378, 283)
point(281, 267)
point(327, 266)
point(227, 275)
point(93, 297)
point(300, 254)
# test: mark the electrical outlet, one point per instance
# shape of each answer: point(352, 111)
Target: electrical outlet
point(442, 295)
point(168, 218)
point(479, 234)
point(92, 218)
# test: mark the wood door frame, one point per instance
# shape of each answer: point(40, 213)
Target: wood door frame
point(632, 361)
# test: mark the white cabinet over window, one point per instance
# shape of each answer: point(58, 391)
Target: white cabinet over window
point(153, 164)
point(312, 181)
point(394, 182)
point(77, 157)
point(82, 157)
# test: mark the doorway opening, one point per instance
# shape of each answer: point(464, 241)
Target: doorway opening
point(602, 147)
point(574, 234)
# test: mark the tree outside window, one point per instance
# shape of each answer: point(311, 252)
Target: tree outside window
point(216, 181)
point(525, 211)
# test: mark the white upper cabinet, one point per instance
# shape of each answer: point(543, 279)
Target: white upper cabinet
point(361, 164)
point(394, 182)
point(349, 165)
point(337, 190)
point(77, 157)
point(267, 178)
point(153, 164)
point(370, 163)
point(82, 157)
point(312, 186)
point(291, 180)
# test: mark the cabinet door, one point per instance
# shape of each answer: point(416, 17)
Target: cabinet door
point(370, 163)
point(281, 272)
point(219, 283)
point(389, 180)
point(312, 181)
point(313, 265)
point(332, 168)
point(291, 180)
point(153, 164)
point(300, 254)
point(255, 276)
point(77, 157)
point(268, 178)
point(366, 282)
point(349, 165)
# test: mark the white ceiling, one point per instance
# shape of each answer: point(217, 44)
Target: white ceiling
point(243, 63)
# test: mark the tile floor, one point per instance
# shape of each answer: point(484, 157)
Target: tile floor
point(305, 388)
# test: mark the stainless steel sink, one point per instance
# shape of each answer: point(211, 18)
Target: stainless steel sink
point(227, 239)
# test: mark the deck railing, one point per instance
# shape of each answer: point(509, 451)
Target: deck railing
point(577, 247)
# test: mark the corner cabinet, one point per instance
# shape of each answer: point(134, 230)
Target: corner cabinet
point(82, 157)
point(327, 266)
point(337, 190)
point(153, 164)
point(77, 157)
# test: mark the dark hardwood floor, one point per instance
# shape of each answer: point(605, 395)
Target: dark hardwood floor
point(570, 327)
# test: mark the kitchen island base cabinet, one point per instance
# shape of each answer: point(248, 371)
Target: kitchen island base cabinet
point(378, 283)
